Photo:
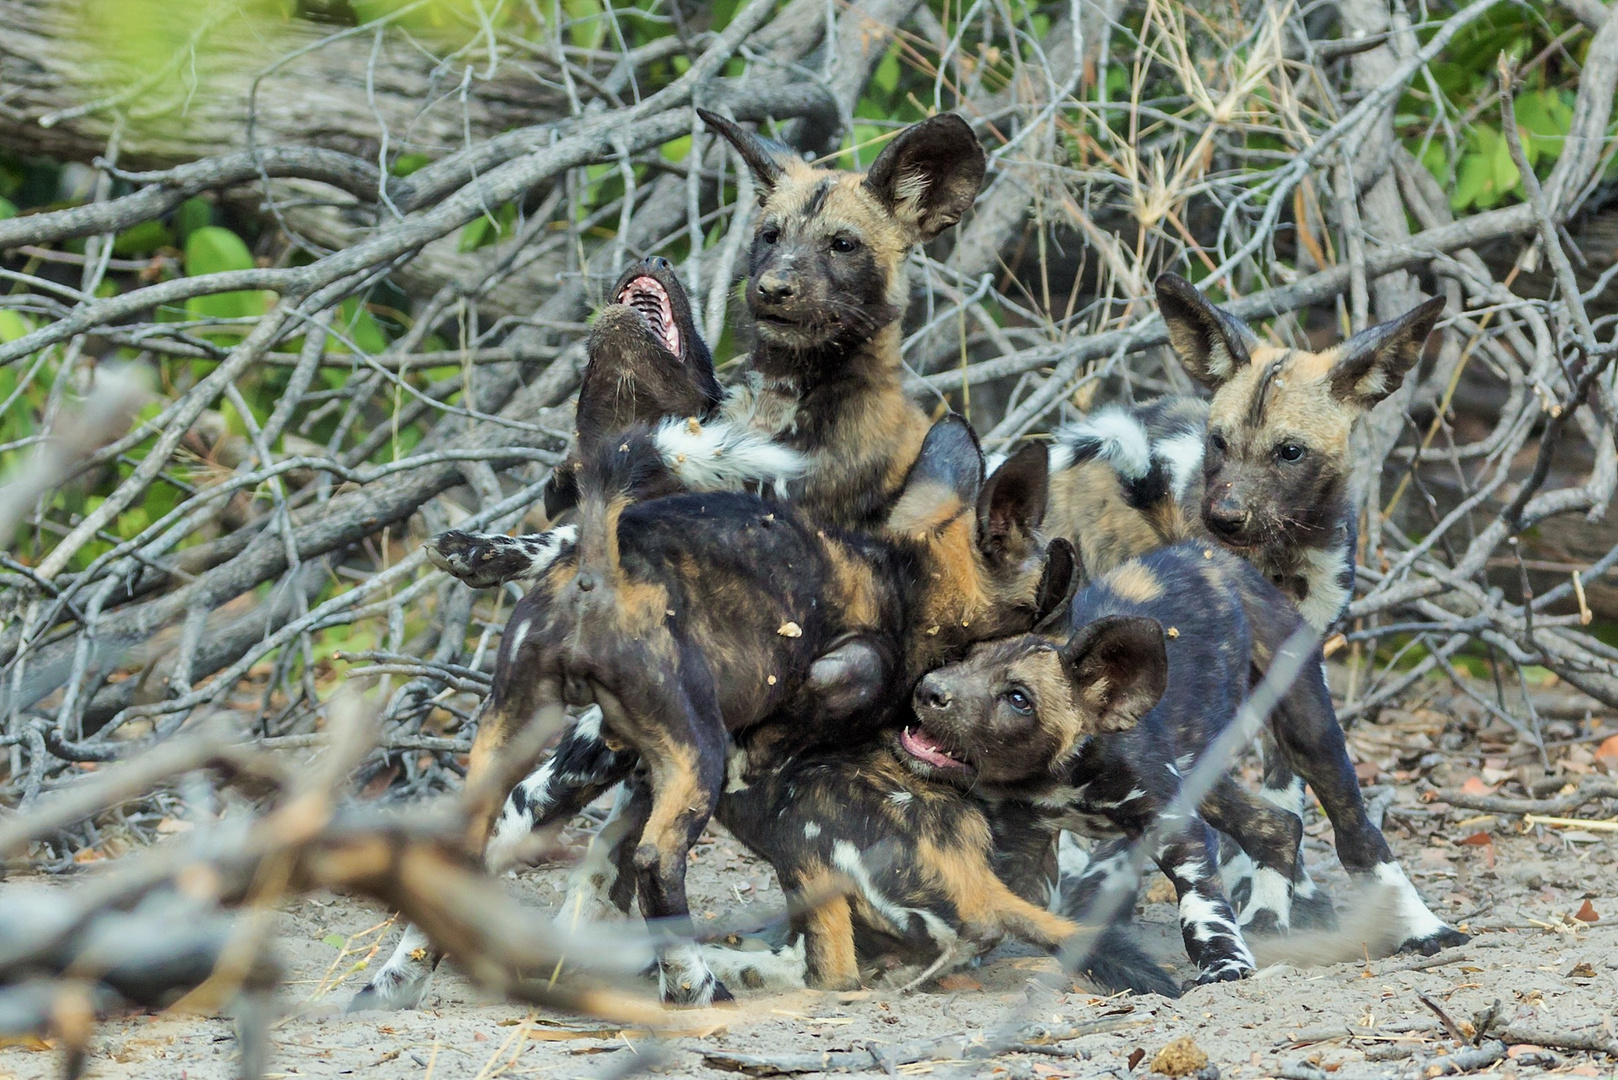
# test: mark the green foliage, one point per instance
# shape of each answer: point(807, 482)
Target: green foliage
point(212, 250)
point(8, 209)
point(488, 228)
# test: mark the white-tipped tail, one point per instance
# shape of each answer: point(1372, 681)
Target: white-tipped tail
point(1112, 435)
point(723, 456)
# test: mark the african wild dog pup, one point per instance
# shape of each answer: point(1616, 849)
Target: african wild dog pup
point(646, 364)
point(690, 617)
point(1075, 727)
point(1263, 468)
point(820, 405)
point(895, 873)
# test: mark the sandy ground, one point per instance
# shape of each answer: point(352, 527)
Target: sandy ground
point(1518, 893)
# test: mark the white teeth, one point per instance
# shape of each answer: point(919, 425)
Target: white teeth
point(649, 298)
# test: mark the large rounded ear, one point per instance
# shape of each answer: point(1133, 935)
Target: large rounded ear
point(1371, 364)
point(928, 175)
point(1119, 669)
point(1063, 572)
point(765, 158)
point(1211, 343)
point(950, 459)
point(1013, 499)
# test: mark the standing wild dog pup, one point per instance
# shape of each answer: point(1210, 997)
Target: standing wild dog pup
point(820, 405)
point(1047, 723)
point(1263, 468)
point(690, 617)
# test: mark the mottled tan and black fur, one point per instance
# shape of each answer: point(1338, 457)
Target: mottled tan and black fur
point(1263, 468)
point(819, 410)
point(898, 875)
point(1097, 729)
point(695, 616)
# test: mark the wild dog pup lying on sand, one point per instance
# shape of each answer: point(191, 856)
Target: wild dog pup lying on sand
point(691, 617)
point(897, 875)
point(820, 406)
point(1077, 728)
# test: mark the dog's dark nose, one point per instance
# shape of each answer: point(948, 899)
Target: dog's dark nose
point(657, 262)
point(931, 694)
point(1227, 517)
point(774, 288)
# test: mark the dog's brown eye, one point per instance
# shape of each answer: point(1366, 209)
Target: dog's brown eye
point(844, 244)
point(1019, 701)
point(1289, 451)
point(1217, 441)
point(769, 236)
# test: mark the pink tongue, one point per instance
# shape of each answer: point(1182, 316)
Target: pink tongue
point(919, 745)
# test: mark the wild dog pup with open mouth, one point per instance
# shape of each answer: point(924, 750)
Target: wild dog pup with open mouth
point(895, 874)
point(820, 408)
point(1096, 732)
point(690, 617)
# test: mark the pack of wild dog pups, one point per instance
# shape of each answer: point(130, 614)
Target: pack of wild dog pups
point(796, 605)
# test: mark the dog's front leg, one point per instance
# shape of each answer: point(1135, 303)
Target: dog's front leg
point(1307, 732)
point(1188, 857)
point(1272, 839)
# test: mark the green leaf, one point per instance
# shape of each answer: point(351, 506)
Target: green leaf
point(8, 209)
point(146, 237)
point(336, 941)
point(13, 325)
point(886, 76)
point(214, 250)
point(192, 215)
point(405, 164)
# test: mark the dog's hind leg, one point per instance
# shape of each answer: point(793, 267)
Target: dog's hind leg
point(682, 740)
point(1270, 839)
point(581, 768)
point(1307, 732)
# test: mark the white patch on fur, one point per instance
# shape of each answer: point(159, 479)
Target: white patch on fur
point(1183, 455)
point(518, 635)
point(589, 885)
point(1271, 892)
point(1205, 919)
point(771, 970)
point(1289, 798)
point(588, 725)
point(1413, 913)
point(900, 798)
point(403, 981)
point(724, 456)
point(846, 857)
point(735, 769)
point(543, 549)
point(811, 829)
point(1322, 575)
point(683, 977)
point(1123, 441)
point(1236, 869)
point(1072, 860)
point(515, 827)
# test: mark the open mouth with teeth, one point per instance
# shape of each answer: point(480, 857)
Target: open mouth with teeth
point(648, 297)
point(925, 748)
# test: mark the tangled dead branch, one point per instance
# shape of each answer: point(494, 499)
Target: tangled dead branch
point(393, 351)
